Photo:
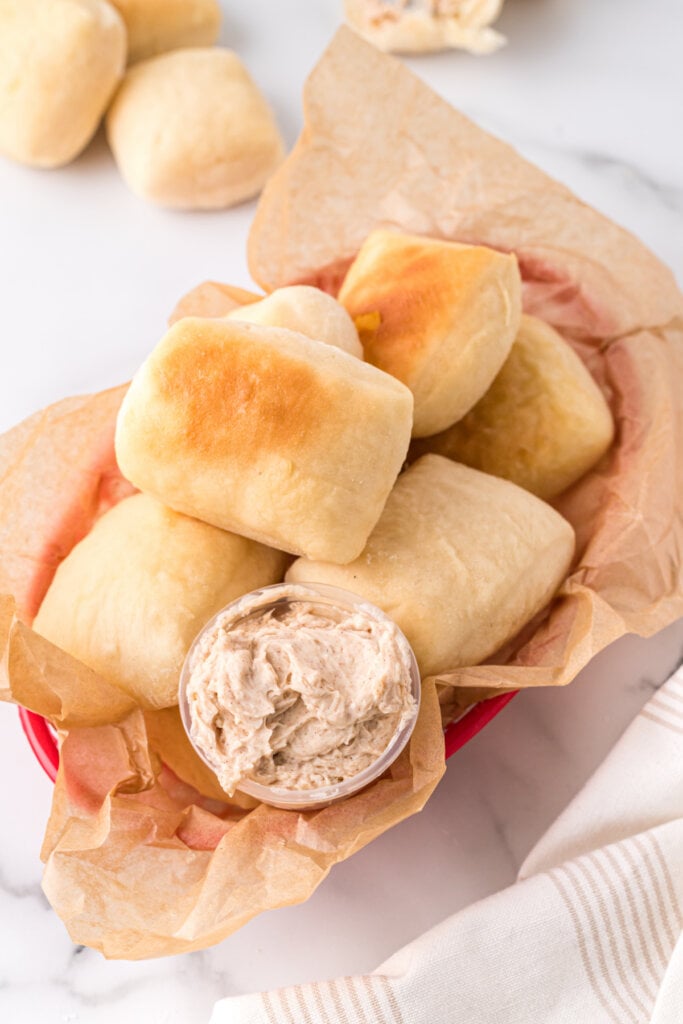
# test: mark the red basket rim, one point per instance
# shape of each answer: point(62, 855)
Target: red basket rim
point(43, 740)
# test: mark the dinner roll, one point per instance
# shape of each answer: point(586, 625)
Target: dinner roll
point(190, 129)
point(130, 598)
point(265, 432)
point(448, 316)
point(459, 559)
point(424, 26)
point(309, 311)
point(155, 26)
point(60, 61)
point(543, 422)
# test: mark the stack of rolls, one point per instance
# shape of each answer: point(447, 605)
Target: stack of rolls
point(266, 430)
point(186, 123)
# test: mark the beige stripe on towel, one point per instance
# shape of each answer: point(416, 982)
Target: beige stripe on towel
point(590, 934)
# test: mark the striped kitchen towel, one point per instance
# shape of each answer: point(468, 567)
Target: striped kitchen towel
point(591, 933)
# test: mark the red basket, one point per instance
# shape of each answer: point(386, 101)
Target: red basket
point(43, 741)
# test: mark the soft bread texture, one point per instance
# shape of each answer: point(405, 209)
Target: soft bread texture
point(265, 432)
point(307, 310)
point(543, 422)
point(60, 62)
point(459, 559)
point(130, 598)
point(212, 298)
point(190, 129)
point(449, 314)
point(423, 26)
point(155, 26)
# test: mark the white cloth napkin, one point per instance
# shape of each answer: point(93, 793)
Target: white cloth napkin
point(592, 931)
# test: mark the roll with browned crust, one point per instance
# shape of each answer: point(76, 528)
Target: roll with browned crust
point(448, 316)
point(267, 433)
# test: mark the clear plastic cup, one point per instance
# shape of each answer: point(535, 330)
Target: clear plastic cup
point(321, 594)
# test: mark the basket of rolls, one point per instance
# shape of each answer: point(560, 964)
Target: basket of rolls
point(434, 460)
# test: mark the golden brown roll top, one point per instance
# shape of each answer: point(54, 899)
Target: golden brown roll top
point(459, 559)
point(130, 598)
point(448, 316)
point(543, 422)
point(267, 433)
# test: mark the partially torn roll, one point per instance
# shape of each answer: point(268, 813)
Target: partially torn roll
point(543, 422)
point(130, 598)
point(448, 316)
point(423, 26)
point(265, 432)
point(307, 310)
point(459, 559)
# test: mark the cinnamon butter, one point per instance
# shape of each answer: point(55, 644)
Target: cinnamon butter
point(296, 692)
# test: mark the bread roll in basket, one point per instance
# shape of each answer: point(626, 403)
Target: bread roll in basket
point(134, 819)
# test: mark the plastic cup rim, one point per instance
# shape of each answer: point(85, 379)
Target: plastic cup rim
point(309, 799)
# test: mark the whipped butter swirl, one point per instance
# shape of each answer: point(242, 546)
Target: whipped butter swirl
point(298, 695)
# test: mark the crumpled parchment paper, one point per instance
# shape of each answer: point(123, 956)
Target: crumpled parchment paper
point(145, 855)
point(409, 161)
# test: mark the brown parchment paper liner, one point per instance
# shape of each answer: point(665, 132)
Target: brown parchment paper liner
point(212, 299)
point(145, 854)
point(379, 148)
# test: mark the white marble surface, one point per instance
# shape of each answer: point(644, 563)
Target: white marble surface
point(592, 93)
